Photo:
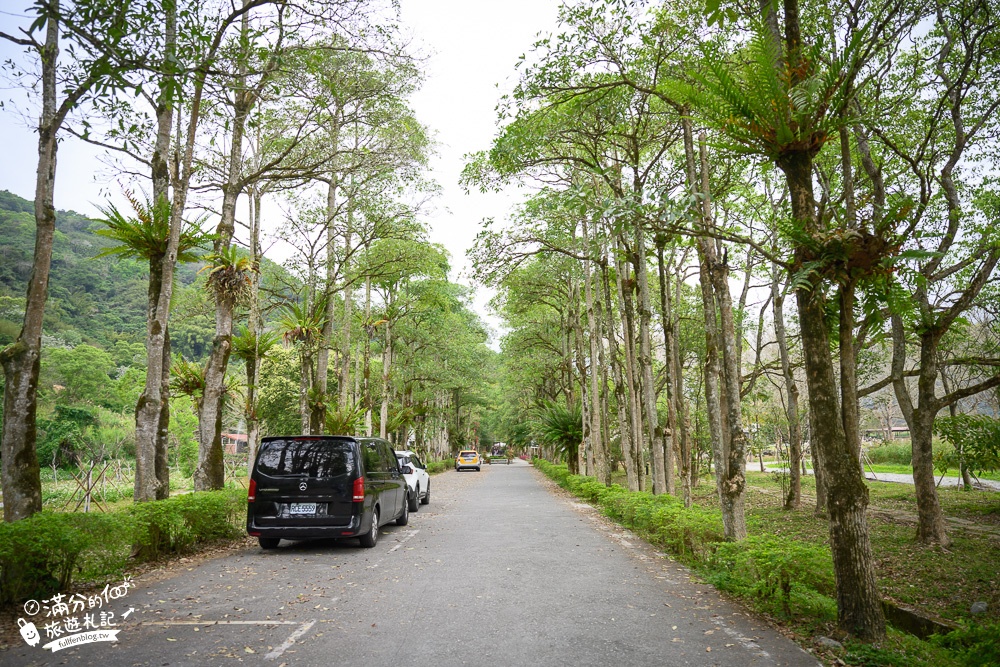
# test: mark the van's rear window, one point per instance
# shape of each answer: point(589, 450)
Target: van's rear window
point(305, 458)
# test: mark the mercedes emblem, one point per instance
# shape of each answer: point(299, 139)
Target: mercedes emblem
point(302, 486)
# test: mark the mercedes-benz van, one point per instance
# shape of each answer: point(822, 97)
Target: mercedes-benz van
point(323, 486)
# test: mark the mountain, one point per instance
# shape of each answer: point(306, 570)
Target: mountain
point(99, 301)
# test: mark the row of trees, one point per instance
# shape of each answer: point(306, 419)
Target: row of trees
point(699, 171)
point(201, 104)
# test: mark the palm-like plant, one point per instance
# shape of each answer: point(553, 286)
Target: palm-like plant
point(769, 107)
point(562, 427)
point(301, 323)
point(344, 421)
point(248, 344)
point(187, 378)
point(229, 276)
point(146, 235)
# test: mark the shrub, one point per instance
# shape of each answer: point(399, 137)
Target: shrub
point(891, 454)
point(42, 554)
point(767, 567)
point(434, 467)
point(977, 645)
point(689, 533)
point(179, 523)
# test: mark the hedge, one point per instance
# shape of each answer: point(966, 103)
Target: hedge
point(779, 572)
point(46, 552)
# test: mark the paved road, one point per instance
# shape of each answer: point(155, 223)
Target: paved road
point(984, 484)
point(499, 569)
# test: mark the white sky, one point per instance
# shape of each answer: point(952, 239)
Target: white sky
point(473, 46)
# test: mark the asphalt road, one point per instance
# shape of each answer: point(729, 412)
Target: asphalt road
point(897, 478)
point(500, 569)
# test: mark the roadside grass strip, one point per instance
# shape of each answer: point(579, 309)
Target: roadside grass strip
point(779, 571)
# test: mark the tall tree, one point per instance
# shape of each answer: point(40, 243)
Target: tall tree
point(949, 236)
point(765, 110)
point(93, 71)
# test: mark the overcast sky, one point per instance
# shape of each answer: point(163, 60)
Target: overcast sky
point(472, 48)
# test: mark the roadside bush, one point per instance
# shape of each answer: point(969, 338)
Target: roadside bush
point(48, 551)
point(767, 567)
point(690, 533)
point(434, 467)
point(177, 524)
point(44, 553)
point(891, 454)
point(771, 569)
point(976, 646)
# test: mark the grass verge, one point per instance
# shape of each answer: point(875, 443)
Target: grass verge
point(784, 569)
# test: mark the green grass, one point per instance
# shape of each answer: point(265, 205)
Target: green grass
point(945, 583)
point(941, 583)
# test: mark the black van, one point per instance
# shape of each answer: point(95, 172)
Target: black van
point(324, 486)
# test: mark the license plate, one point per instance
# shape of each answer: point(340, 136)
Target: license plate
point(302, 508)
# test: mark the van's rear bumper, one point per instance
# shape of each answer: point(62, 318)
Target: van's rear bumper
point(352, 529)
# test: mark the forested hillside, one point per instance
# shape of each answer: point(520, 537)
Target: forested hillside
point(96, 300)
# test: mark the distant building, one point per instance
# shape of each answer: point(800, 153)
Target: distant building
point(899, 431)
point(234, 443)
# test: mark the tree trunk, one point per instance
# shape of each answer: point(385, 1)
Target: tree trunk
point(581, 369)
point(600, 447)
point(953, 411)
point(794, 497)
point(732, 480)
point(931, 527)
point(152, 411)
point(305, 384)
point(688, 470)
point(327, 344)
point(859, 606)
point(713, 405)
point(383, 414)
point(256, 327)
point(624, 414)
point(851, 413)
point(366, 392)
point(210, 475)
point(654, 430)
point(628, 337)
point(666, 320)
point(345, 334)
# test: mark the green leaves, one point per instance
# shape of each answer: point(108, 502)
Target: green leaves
point(560, 425)
point(229, 275)
point(146, 235)
point(764, 105)
point(976, 439)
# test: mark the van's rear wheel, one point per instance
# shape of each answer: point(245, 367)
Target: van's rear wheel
point(370, 539)
point(404, 516)
point(268, 542)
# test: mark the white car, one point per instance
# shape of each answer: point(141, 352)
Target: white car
point(418, 482)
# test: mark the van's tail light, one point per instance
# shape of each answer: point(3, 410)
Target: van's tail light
point(252, 491)
point(359, 490)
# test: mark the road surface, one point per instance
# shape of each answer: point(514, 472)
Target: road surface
point(897, 478)
point(500, 569)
